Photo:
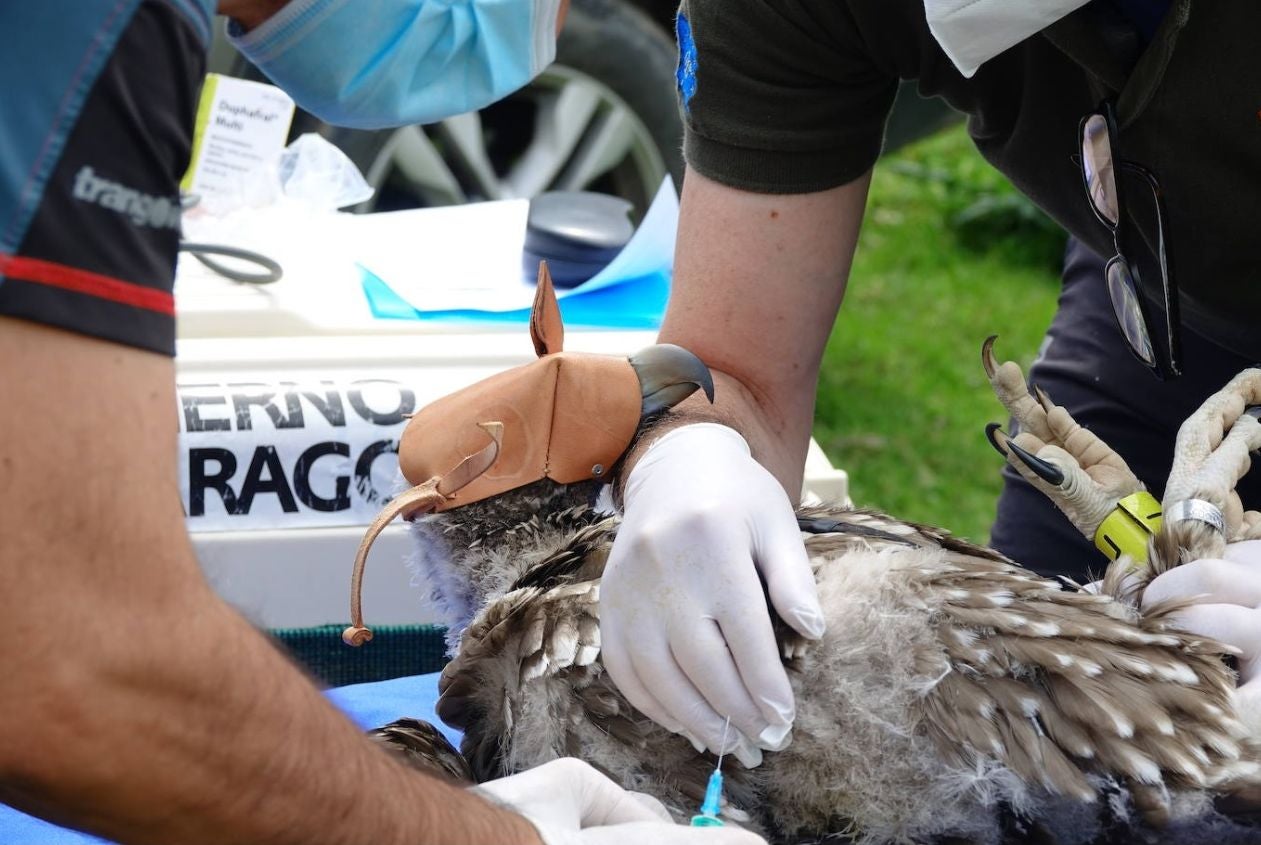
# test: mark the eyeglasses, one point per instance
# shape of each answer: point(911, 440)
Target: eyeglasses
point(1100, 161)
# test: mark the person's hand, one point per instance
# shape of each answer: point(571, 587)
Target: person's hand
point(1226, 596)
point(570, 803)
point(684, 627)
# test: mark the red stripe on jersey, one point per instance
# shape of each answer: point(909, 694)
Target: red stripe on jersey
point(82, 281)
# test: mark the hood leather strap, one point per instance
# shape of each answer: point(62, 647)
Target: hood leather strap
point(421, 499)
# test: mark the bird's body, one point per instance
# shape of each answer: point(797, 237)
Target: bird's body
point(954, 694)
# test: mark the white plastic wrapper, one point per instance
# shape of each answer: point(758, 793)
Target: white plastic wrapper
point(316, 173)
point(310, 175)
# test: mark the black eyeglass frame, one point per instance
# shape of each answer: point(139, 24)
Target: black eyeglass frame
point(1170, 366)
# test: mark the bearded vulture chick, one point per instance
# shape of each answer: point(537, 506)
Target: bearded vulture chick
point(956, 696)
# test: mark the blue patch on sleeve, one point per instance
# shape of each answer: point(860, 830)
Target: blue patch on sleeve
point(686, 73)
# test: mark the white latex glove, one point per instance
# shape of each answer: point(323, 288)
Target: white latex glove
point(684, 628)
point(1227, 604)
point(570, 803)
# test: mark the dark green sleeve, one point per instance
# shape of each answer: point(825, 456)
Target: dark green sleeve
point(780, 96)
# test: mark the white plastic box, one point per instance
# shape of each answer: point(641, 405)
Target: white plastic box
point(292, 570)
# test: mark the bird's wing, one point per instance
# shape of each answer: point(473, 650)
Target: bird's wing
point(580, 558)
point(1059, 685)
point(832, 530)
point(421, 746)
point(536, 651)
point(525, 636)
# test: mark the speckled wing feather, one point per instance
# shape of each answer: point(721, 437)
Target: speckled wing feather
point(1066, 689)
point(527, 635)
point(1061, 685)
point(835, 530)
point(422, 746)
point(580, 559)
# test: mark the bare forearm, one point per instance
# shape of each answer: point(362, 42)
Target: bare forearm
point(759, 279)
point(234, 747)
point(778, 436)
point(777, 441)
point(136, 704)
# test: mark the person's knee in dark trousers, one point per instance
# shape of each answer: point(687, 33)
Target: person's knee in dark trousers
point(1086, 366)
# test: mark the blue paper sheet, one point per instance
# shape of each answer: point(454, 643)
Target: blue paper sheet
point(629, 293)
point(367, 705)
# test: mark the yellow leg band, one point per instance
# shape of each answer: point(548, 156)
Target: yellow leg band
point(1128, 528)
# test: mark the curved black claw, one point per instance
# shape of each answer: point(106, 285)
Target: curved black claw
point(1049, 473)
point(1043, 398)
point(668, 374)
point(994, 440)
point(987, 356)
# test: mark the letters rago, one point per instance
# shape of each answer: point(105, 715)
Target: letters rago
point(260, 454)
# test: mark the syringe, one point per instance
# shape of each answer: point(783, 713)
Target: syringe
point(708, 816)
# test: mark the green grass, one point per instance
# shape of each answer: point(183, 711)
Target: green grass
point(949, 254)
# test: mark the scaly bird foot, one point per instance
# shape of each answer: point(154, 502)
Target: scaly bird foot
point(1082, 475)
point(1212, 454)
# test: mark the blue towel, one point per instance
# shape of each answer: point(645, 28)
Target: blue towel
point(372, 705)
point(367, 705)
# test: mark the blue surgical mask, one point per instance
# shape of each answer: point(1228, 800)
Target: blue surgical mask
point(377, 63)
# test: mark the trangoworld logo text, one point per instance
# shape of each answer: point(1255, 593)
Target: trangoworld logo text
point(141, 209)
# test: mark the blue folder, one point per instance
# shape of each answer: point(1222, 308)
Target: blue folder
point(630, 293)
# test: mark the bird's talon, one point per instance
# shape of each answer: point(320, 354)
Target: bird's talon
point(987, 356)
point(1048, 472)
point(997, 437)
point(1043, 398)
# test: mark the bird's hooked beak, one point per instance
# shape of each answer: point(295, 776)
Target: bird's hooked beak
point(668, 374)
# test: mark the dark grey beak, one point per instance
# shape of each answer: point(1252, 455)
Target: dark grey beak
point(668, 374)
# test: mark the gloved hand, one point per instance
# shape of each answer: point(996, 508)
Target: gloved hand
point(1226, 596)
point(570, 803)
point(684, 628)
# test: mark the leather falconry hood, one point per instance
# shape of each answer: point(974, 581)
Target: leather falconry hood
point(567, 416)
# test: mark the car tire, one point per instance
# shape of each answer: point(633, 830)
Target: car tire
point(638, 63)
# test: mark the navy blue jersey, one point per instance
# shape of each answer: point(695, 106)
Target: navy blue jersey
point(97, 116)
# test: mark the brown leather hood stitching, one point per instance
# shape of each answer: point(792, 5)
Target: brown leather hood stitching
point(551, 422)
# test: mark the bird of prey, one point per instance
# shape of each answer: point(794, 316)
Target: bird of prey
point(956, 696)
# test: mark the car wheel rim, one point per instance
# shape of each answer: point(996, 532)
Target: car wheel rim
point(578, 135)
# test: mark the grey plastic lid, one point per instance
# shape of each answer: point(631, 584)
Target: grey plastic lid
point(576, 232)
point(588, 220)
